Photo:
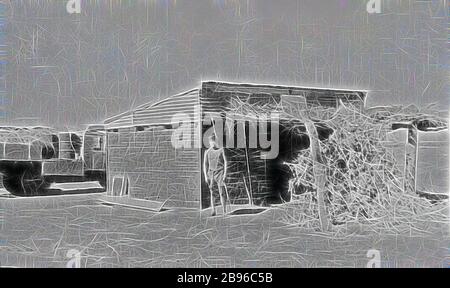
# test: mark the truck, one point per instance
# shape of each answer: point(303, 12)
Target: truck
point(40, 161)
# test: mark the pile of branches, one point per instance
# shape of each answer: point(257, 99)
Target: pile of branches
point(363, 181)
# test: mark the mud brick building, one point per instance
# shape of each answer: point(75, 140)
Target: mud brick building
point(143, 163)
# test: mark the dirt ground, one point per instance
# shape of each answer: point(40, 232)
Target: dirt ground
point(39, 232)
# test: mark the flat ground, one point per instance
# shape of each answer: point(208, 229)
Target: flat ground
point(39, 232)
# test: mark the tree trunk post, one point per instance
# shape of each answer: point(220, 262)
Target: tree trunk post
point(319, 172)
point(410, 170)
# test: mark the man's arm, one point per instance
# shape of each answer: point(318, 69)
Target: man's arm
point(225, 165)
point(205, 165)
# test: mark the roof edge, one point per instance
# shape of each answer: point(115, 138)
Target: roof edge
point(281, 86)
point(149, 104)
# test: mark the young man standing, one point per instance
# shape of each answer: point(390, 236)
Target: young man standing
point(215, 169)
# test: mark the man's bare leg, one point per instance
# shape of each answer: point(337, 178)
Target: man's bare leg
point(227, 200)
point(223, 199)
point(211, 196)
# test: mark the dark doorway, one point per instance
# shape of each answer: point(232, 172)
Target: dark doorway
point(267, 181)
point(293, 139)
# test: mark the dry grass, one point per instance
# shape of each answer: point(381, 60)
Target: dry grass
point(38, 232)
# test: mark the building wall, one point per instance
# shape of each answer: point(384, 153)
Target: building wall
point(94, 150)
point(432, 158)
point(155, 169)
point(433, 162)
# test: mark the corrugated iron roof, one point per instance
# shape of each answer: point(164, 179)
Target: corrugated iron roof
point(159, 113)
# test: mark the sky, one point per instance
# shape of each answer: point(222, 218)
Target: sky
point(69, 70)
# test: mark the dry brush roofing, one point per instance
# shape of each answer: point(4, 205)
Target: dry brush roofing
point(425, 119)
point(26, 135)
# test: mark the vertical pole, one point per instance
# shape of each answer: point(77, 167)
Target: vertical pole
point(410, 170)
point(108, 179)
point(318, 171)
point(198, 120)
point(250, 193)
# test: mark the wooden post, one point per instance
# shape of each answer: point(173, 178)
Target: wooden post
point(29, 151)
point(410, 169)
point(411, 152)
point(319, 172)
point(249, 193)
point(319, 169)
